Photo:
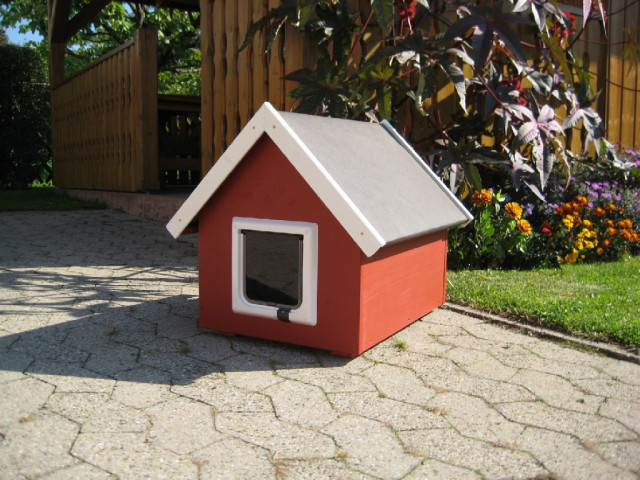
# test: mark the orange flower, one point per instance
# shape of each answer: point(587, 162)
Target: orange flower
point(524, 226)
point(626, 223)
point(609, 223)
point(514, 210)
point(611, 231)
point(599, 211)
point(582, 200)
point(605, 243)
point(482, 197)
point(610, 208)
point(600, 251)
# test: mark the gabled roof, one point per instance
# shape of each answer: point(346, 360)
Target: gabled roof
point(372, 181)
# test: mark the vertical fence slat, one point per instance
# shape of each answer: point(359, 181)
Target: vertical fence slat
point(219, 68)
point(231, 78)
point(259, 63)
point(243, 64)
point(207, 82)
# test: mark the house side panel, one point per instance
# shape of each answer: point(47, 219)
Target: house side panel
point(266, 185)
point(400, 284)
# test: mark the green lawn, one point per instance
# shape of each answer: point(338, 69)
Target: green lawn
point(41, 198)
point(597, 301)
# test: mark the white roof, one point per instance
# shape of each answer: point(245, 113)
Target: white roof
point(372, 181)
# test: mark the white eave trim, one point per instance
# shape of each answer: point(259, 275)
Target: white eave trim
point(268, 121)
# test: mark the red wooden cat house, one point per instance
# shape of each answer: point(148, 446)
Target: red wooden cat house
point(317, 231)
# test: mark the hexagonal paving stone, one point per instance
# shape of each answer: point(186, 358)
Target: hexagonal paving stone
point(234, 458)
point(22, 398)
point(282, 439)
point(130, 455)
point(36, 445)
point(371, 447)
point(490, 461)
point(301, 404)
point(182, 425)
point(97, 413)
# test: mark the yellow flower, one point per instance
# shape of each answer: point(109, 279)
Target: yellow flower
point(571, 257)
point(579, 244)
point(514, 210)
point(482, 197)
point(600, 251)
point(567, 220)
point(524, 226)
point(587, 223)
point(590, 245)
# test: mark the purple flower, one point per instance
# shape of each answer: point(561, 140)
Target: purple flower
point(528, 208)
point(607, 196)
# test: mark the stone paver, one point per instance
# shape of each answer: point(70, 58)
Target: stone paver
point(104, 374)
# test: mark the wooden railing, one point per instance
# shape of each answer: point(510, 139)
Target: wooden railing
point(105, 121)
point(179, 140)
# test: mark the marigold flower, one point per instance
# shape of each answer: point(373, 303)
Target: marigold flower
point(611, 231)
point(514, 210)
point(579, 244)
point(626, 223)
point(567, 221)
point(482, 197)
point(610, 208)
point(590, 245)
point(600, 251)
point(599, 211)
point(627, 234)
point(609, 223)
point(547, 231)
point(571, 257)
point(582, 200)
point(524, 226)
point(605, 243)
point(587, 223)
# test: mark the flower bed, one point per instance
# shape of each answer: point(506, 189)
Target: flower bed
point(594, 218)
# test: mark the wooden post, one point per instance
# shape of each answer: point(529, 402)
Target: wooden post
point(146, 78)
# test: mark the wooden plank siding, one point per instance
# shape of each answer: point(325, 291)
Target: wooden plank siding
point(105, 121)
point(235, 84)
point(238, 83)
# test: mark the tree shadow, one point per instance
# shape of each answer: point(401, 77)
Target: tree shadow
point(122, 306)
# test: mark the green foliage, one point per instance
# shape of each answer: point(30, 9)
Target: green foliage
point(498, 237)
point(504, 89)
point(598, 300)
point(24, 117)
point(178, 37)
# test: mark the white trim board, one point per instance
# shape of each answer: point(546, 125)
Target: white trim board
point(375, 185)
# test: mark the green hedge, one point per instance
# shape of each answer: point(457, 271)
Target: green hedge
point(25, 128)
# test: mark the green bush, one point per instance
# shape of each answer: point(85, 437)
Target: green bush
point(25, 130)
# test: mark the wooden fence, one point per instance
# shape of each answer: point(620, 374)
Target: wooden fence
point(105, 118)
point(234, 85)
point(105, 121)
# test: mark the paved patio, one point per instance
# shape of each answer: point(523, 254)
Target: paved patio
point(104, 373)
